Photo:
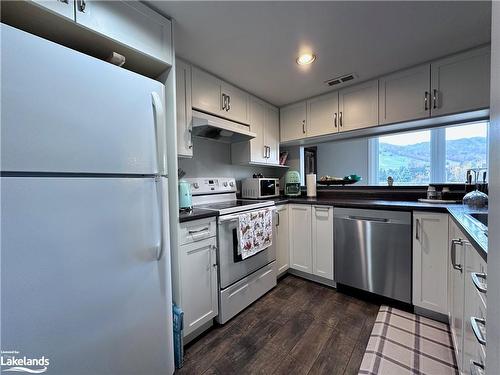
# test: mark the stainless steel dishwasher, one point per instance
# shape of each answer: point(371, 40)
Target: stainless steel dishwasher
point(373, 251)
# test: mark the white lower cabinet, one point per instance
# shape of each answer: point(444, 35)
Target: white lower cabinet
point(282, 239)
point(466, 300)
point(311, 239)
point(300, 237)
point(198, 274)
point(430, 261)
point(322, 241)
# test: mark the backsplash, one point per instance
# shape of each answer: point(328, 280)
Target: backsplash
point(213, 159)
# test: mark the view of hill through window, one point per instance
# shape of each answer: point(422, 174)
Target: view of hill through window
point(408, 158)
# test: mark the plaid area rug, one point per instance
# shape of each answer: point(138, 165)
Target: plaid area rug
point(404, 343)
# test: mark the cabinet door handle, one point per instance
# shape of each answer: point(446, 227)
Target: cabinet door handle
point(223, 102)
point(82, 5)
point(475, 322)
point(335, 120)
point(435, 98)
point(228, 108)
point(340, 119)
point(453, 254)
point(476, 368)
point(480, 286)
point(417, 230)
point(213, 249)
point(426, 101)
point(304, 126)
point(277, 219)
point(64, 1)
point(268, 152)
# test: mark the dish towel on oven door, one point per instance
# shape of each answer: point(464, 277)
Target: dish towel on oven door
point(255, 232)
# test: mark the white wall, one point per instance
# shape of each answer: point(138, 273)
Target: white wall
point(493, 320)
point(213, 159)
point(344, 158)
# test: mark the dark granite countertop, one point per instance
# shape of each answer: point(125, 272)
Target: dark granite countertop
point(399, 205)
point(195, 214)
point(475, 234)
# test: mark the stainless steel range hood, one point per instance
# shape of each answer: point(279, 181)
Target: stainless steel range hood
point(219, 129)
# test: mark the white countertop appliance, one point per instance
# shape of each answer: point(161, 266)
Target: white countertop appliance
point(260, 188)
point(85, 238)
point(241, 282)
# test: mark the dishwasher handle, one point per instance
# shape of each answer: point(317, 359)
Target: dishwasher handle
point(363, 218)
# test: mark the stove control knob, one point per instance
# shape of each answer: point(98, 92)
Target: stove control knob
point(231, 183)
point(195, 185)
point(224, 183)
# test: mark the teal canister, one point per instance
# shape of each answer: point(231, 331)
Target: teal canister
point(185, 201)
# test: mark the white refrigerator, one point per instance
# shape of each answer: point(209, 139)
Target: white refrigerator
point(85, 258)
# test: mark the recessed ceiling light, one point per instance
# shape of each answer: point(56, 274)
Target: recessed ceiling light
point(306, 59)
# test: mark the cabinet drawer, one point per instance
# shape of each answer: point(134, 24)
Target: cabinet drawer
point(197, 230)
point(236, 297)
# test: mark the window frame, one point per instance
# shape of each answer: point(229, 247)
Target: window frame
point(438, 154)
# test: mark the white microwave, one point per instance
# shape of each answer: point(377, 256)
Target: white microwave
point(260, 188)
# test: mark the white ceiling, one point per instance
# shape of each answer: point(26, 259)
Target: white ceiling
point(254, 44)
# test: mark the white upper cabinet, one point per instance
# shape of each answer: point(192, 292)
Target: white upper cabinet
point(273, 135)
point(258, 148)
point(264, 148)
point(322, 115)
point(282, 239)
point(63, 8)
point(430, 261)
point(358, 106)
point(300, 237)
point(206, 92)
point(405, 95)
point(212, 95)
point(184, 111)
point(130, 23)
point(461, 82)
point(235, 106)
point(293, 122)
point(322, 241)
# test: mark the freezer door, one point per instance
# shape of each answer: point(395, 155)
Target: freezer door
point(64, 111)
point(80, 281)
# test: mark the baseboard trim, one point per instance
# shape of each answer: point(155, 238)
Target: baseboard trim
point(317, 279)
point(431, 314)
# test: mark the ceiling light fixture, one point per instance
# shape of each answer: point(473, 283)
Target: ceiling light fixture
point(306, 59)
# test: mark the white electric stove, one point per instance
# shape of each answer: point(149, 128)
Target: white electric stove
point(241, 282)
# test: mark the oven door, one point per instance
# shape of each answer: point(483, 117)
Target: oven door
point(231, 269)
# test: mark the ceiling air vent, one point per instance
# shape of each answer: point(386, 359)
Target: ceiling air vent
point(339, 80)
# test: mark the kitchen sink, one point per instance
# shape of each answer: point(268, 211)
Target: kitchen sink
point(481, 217)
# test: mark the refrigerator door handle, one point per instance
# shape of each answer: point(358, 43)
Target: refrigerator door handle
point(159, 197)
point(160, 134)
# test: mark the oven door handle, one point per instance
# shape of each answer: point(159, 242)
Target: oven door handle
point(227, 218)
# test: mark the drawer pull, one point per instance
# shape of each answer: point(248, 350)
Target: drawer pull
point(476, 368)
point(480, 285)
point(198, 230)
point(475, 322)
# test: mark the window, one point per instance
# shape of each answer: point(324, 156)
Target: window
point(466, 148)
point(406, 157)
point(437, 155)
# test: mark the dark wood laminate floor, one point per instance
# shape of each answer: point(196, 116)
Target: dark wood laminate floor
point(299, 327)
